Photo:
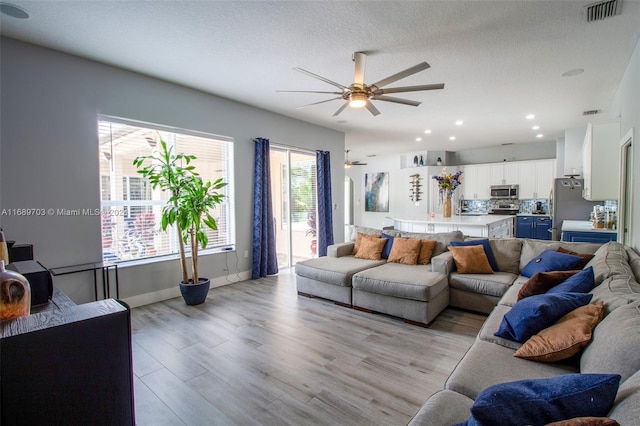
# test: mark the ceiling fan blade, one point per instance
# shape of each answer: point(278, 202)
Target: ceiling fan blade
point(358, 76)
point(308, 91)
point(372, 109)
point(396, 100)
point(402, 74)
point(333, 83)
point(439, 86)
point(321, 102)
point(357, 163)
point(335, 114)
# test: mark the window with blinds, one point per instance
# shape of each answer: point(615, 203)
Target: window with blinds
point(131, 208)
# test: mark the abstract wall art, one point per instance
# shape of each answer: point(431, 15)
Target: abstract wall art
point(376, 192)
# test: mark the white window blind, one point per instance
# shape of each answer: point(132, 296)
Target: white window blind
point(131, 208)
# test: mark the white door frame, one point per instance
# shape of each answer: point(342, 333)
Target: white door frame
point(625, 197)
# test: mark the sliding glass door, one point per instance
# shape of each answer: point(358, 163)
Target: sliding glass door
point(293, 180)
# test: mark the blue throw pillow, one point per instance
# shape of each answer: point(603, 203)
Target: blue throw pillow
point(387, 246)
point(582, 282)
point(550, 260)
point(542, 401)
point(487, 250)
point(535, 313)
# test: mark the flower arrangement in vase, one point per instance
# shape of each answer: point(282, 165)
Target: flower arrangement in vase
point(447, 183)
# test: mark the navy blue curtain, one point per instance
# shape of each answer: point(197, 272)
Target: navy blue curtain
point(264, 259)
point(325, 205)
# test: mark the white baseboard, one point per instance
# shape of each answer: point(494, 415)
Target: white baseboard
point(170, 293)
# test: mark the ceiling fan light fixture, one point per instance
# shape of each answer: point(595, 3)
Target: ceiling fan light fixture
point(358, 100)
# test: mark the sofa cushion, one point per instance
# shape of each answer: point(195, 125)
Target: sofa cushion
point(426, 251)
point(609, 260)
point(541, 401)
point(492, 324)
point(586, 257)
point(371, 248)
point(493, 285)
point(355, 230)
point(414, 282)
point(582, 282)
point(540, 282)
point(334, 270)
point(615, 345)
point(626, 407)
point(498, 365)
point(535, 313)
point(405, 250)
point(565, 338)
point(616, 291)
point(507, 252)
point(471, 260)
point(484, 242)
point(634, 262)
point(550, 260)
point(532, 248)
point(443, 239)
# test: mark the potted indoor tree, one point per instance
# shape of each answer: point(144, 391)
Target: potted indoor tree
point(188, 208)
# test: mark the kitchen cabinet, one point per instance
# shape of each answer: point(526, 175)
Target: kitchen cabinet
point(601, 162)
point(536, 178)
point(475, 183)
point(503, 173)
point(582, 231)
point(536, 227)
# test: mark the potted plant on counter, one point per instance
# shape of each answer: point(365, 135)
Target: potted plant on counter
point(188, 208)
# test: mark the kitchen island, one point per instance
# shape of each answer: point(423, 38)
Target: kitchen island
point(488, 226)
point(578, 231)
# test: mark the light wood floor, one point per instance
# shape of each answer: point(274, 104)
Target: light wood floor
point(257, 353)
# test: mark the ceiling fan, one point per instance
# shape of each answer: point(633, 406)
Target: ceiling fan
point(348, 163)
point(359, 94)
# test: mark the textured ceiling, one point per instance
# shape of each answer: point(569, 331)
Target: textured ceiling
point(499, 60)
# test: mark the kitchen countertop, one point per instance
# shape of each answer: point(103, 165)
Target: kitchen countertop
point(583, 226)
point(460, 220)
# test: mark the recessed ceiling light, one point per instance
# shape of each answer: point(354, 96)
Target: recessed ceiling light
point(536, 127)
point(459, 123)
point(452, 138)
point(573, 72)
point(418, 139)
point(428, 131)
point(539, 135)
point(530, 116)
point(13, 11)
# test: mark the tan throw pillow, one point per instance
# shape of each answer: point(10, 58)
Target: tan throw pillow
point(586, 421)
point(371, 248)
point(405, 250)
point(565, 338)
point(585, 257)
point(359, 239)
point(540, 282)
point(426, 250)
point(470, 259)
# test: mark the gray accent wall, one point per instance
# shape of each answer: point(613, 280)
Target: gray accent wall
point(49, 156)
point(516, 152)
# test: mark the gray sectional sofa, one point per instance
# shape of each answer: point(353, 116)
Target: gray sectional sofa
point(614, 348)
point(418, 293)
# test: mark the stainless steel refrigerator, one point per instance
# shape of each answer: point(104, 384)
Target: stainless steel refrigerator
point(566, 203)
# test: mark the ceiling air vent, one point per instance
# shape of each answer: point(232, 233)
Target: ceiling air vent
point(602, 10)
point(591, 112)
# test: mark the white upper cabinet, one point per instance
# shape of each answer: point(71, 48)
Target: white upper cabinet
point(601, 162)
point(536, 178)
point(475, 183)
point(503, 173)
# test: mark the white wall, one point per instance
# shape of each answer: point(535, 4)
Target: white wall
point(573, 140)
point(626, 107)
point(49, 156)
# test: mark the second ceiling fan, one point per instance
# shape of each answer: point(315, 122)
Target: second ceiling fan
point(359, 94)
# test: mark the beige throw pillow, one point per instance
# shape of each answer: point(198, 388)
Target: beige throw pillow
point(359, 239)
point(426, 251)
point(565, 338)
point(471, 259)
point(405, 250)
point(371, 248)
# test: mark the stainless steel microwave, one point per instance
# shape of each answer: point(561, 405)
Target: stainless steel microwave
point(504, 192)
